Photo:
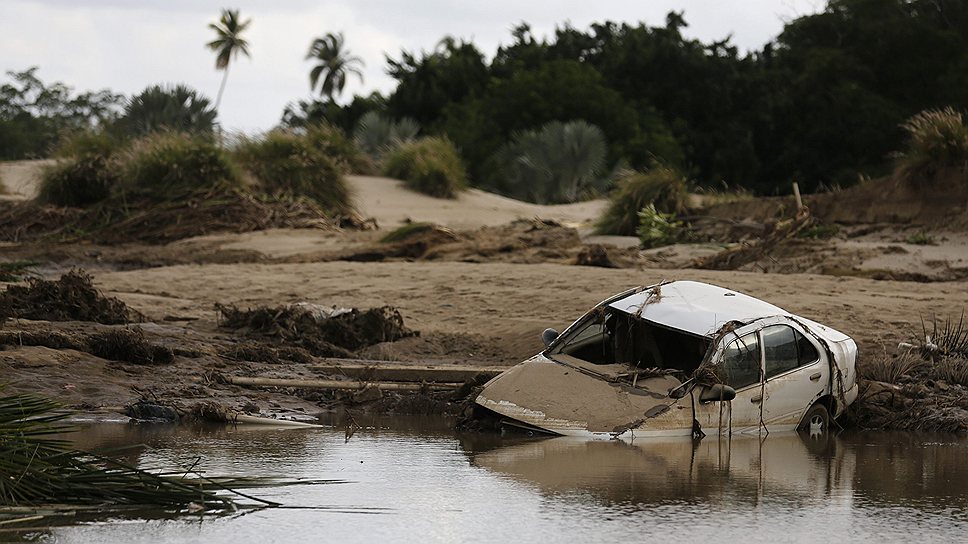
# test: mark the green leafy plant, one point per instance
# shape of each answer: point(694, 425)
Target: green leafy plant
point(560, 162)
point(167, 165)
point(289, 163)
point(164, 109)
point(921, 238)
point(332, 142)
point(661, 186)
point(657, 229)
point(819, 232)
point(429, 165)
point(937, 140)
point(378, 135)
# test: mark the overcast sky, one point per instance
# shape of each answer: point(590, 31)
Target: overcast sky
point(128, 45)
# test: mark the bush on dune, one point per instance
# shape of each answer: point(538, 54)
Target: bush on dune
point(937, 141)
point(168, 165)
point(429, 165)
point(332, 142)
point(84, 175)
point(661, 186)
point(294, 164)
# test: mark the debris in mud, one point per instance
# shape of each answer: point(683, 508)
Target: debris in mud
point(71, 298)
point(209, 411)
point(129, 346)
point(260, 352)
point(150, 412)
point(594, 255)
point(779, 232)
point(207, 212)
point(125, 345)
point(321, 331)
point(522, 241)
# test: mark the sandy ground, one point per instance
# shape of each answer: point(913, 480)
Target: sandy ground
point(467, 312)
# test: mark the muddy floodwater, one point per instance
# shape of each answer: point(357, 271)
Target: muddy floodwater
point(415, 480)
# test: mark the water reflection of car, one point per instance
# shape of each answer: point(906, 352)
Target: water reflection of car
point(680, 358)
point(660, 470)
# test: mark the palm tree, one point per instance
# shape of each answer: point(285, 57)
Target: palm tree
point(335, 63)
point(228, 44)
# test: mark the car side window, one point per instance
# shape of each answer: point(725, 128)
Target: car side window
point(741, 362)
point(785, 349)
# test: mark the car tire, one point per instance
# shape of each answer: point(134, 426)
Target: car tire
point(816, 420)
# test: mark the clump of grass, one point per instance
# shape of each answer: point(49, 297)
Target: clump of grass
point(890, 368)
point(406, 231)
point(662, 186)
point(168, 165)
point(657, 229)
point(293, 164)
point(429, 165)
point(937, 140)
point(84, 175)
point(921, 238)
point(819, 232)
point(377, 135)
point(332, 142)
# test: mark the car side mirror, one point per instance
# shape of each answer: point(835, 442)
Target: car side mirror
point(717, 392)
point(549, 336)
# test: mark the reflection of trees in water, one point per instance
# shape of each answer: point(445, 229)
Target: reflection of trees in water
point(741, 470)
point(911, 469)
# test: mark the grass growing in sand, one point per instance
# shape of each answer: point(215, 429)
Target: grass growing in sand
point(293, 164)
point(429, 165)
point(937, 140)
point(85, 173)
point(404, 232)
point(168, 165)
point(662, 186)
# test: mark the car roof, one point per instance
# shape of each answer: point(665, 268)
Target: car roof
point(694, 307)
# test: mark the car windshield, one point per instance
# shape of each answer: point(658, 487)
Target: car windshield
point(609, 336)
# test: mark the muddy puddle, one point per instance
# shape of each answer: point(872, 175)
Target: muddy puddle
point(414, 479)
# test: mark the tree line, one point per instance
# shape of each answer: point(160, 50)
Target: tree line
point(821, 104)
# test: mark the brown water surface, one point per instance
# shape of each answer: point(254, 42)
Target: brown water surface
point(415, 480)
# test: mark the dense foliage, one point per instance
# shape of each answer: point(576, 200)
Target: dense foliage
point(169, 165)
point(661, 187)
point(820, 104)
point(166, 108)
point(34, 115)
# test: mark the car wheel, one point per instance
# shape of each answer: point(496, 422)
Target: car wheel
point(816, 421)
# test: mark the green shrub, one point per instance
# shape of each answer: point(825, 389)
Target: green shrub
point(166, 108)
point(167, 165)
point(333, 143)
point(819, 232)
point(921, 238)
point(285, 162)
point(429, 165)
point(84, 175)
point(937, 140)
point(560, 162)
point(657, 229)
point(663, 187)
point(377, 135)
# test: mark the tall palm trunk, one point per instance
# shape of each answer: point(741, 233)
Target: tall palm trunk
point(221, 88)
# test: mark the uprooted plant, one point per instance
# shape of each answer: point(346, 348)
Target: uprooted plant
point(73, 297)
point(324, 332)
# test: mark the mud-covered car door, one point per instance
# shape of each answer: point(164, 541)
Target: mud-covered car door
point(797, 373)
point(740, 365)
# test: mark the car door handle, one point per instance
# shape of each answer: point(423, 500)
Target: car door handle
point(757, 399)
point(815, 376)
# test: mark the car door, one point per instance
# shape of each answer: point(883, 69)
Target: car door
point(739, 365)
point(797, 374)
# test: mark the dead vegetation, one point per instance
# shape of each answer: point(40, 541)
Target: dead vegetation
point(127, 345)
point(196, 214)
point(924, 387)
point(71, 298)
point(323, 332)
point(777, 233)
